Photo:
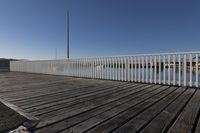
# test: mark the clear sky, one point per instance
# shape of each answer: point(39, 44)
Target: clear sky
point(33, 29)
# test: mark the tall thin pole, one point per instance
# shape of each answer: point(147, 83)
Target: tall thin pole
point(67, 17)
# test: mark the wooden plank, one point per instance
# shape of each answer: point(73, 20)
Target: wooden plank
point(70, 108)
point(63, 83)
point(79, 98)
point(79, 103)
point(72, 93)
point(28, 87)
point(140, 121)
point(186, 120)
point(34, 87)
point(92, 112)
point(18, 83)
point(71, 89)
point(119, 119)
point(86, 125)
point(163, 121)
point(82, 106)
point(31, 90)
point(198, 126)
point(29, 80)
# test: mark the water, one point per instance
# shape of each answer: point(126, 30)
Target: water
point(121, 73)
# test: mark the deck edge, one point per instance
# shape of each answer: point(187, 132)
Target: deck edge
point(31, 121)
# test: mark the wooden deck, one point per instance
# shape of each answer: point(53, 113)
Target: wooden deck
point(73, 105)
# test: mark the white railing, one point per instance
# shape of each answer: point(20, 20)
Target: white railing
point(182, 69)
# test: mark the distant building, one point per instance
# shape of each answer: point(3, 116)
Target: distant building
point(5, 64)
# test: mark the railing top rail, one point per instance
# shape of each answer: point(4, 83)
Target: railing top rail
point(118, 56)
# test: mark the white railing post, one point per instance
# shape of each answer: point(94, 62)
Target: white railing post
point(110, 69)
point(169, 70)
point(128, 73)
point(191, 70)
point(164, 70)
point(122, 71)
point(143, 69)
point(82, 74)
point(76, 60)
point(135, 62)
point(93, 70)
point(125, 68)
point(174, 70)
point(151, 75)
point(147, 70)
point(119, 68)
point(139, 69)
point(132, 68)
point(77, 71)
point(105, 68)
point(113, 68)
point(197, 70)
point(159, 70)
point(79, 68)
point(155, 70)
point(179, 69)
point(99, 68)
point(185, 68)
point(116, 68)
point(90, 68)
point(85, 67)
point(96, 68)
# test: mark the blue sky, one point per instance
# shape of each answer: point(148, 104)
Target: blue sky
point(33, 29)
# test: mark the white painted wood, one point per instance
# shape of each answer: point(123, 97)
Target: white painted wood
point(197, 73)
point(135, 62)
point(174, 69)
point(147, 70)
point(143, 69)
point(124, 68)
point(185, 67)
point(169, 70)
point(164, 70)
point(132, 68)
point(139, 69)
point(128, 72)
point(151, 69)
point(119, 68)
point(155, 69)
point(179, 70)
point(190, 70)
point(159, 73)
